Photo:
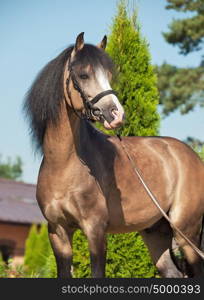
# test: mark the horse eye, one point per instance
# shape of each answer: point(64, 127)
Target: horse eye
point(84, 76)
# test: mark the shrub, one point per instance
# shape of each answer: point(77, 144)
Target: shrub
point(37, 250)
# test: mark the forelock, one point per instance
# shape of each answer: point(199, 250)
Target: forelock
point(95, 57)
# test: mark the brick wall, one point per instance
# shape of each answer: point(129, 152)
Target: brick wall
point(14, 235)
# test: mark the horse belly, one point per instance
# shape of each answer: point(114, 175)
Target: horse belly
point(129, 215)
point(130, 207)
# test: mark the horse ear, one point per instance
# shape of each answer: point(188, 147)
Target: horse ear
point(79, 44)
point(103, 43)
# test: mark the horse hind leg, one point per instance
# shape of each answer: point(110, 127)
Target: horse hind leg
point(159, 239)
point(61, 242)
point(194, 266)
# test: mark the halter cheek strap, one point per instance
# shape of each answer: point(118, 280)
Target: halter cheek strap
point(80, 116)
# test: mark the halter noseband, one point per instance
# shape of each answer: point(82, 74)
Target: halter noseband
point(90, 110)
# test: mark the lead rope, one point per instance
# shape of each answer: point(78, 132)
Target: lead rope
point(155, 201)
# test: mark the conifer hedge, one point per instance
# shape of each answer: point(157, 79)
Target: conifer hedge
point(126, 256)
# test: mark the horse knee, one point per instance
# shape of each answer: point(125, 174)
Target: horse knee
point(97, 246)
point(61, 241)
point(96, 235)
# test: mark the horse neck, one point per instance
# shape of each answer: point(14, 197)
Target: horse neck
point(61, 139)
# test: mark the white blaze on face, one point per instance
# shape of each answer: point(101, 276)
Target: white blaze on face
point(104, 86)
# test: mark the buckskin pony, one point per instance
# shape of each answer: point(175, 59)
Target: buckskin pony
point(86, 181)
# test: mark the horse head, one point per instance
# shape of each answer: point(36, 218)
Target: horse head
point(88, 84)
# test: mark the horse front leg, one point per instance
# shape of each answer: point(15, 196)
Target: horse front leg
point(61, 242)
point(97, 246)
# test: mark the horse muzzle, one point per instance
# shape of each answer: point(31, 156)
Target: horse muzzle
point(112, 115)
point(117, 120)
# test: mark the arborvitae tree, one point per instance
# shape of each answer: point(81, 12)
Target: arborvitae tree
point(30, 247)
point(135, 82)
point(43, 246)
point(37, 250)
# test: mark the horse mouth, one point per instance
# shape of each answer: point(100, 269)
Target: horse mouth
point(116, 122)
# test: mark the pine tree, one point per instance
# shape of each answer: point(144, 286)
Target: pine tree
point(187, 33)
point(135, 82)
point(182, 88)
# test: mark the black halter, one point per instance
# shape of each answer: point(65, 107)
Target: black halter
point(90, 110)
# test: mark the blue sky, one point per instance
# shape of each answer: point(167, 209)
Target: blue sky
point(34, 32)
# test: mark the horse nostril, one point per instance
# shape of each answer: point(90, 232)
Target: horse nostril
point(113, 108)
point(96, 112)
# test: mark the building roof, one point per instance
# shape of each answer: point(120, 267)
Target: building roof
point(18, 203)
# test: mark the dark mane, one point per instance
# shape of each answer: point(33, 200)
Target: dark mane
point(43, 100)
